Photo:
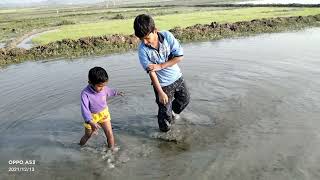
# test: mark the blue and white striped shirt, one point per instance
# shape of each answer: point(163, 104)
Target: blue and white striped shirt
point(169, 48)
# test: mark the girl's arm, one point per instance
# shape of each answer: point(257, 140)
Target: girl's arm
point(112, 92)
point(85, 111)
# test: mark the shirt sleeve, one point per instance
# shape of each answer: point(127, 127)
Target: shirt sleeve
point(85, 111)
point(175, 47)
point(144, 59)
point(110, 92)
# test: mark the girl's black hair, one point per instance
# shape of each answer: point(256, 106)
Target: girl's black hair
point(98, 75)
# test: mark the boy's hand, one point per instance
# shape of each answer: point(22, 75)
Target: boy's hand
point(163, 98)
point(154, 67)
point(120, 93)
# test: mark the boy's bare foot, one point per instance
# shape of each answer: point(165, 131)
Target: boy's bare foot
point(175, 116)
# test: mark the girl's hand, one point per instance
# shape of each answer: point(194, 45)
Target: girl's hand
point(94, 127)
point(120, 93)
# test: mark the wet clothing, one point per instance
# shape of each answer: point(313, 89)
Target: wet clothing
point(178, 99)
point(170, 78)
point(99, 117)
point(93, 102)
point(169, 48)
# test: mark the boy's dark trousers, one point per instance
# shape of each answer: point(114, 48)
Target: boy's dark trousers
point(178, 99)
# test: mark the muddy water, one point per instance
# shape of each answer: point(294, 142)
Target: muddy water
point(254, 114)
point(27, 42)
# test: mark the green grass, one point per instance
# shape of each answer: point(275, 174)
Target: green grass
point(230, 16)
point(166, 22)
point(17, 22)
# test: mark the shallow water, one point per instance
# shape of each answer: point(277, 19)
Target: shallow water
point(27, 42)
point(254, 114)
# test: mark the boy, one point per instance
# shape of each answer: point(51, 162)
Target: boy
point(94, 108)
point(159, 53)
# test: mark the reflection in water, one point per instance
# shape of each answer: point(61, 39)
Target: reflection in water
point(253, 115)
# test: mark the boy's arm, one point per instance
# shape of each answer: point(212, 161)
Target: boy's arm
point(176, 54)
point(163, 98)
point(144, 61)
point(169, 63)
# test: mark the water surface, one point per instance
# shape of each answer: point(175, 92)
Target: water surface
point(254, 114)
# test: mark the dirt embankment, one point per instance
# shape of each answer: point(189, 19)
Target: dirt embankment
point(243, 28)
point(225, 5)
point(17, 41)
point(120, 43)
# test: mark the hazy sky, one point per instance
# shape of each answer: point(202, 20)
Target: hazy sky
point(30, 2)
point(4, 3)
point(37, 1)
point(20, 1)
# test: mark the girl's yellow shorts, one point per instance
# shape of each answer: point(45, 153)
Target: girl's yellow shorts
point(99, 117)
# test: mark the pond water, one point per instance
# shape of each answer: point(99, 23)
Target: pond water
point(27, 42)
point(254, 114)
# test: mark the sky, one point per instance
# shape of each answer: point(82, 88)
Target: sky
point(5, 3)
point(39, 1)
point(25, 3)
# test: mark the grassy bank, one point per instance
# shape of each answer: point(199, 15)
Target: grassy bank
point(120, 43)
point(15, 23)
point(124, 26)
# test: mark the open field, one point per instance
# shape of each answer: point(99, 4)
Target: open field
point(91, 30)
point(16, 22)
point(169, 21)
point(107, 44)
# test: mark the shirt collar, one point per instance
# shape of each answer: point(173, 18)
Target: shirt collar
point(91, 88)
point(160, 38)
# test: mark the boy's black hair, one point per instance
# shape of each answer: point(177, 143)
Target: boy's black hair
point(143, 25)
point(97, 75)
